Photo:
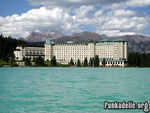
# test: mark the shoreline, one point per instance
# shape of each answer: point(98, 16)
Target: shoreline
point(66, 67)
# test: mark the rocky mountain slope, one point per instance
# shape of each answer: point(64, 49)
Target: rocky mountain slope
point(136, 43)
point(43, 36)
point(83, 37)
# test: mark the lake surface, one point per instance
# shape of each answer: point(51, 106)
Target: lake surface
point(71, 90)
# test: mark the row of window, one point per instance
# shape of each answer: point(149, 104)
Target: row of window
point(111, 62)
point(37, 52)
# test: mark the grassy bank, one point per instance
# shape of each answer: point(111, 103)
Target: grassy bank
point(4, 63)
point(48, 63)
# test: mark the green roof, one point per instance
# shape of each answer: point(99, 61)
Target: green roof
point(105, 40)
point(116, 40)
point(49, 42)
point(120, 40)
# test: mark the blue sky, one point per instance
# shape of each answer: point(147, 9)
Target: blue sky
point(145, 10)
point(19, 18)
point(10, 7)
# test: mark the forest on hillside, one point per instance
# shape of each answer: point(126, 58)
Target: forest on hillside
point(138, 59)
point(8, 45)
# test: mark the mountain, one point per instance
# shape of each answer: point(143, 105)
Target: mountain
point(83, 37)
point(89, 35)
point(37, 36)
point(136, 43)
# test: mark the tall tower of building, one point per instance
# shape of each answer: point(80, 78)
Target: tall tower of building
point(48, 50)
point(125, 49)
point(19, 53)
point(122, 47)
point(91, 50)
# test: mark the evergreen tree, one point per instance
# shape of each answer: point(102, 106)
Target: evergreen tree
point(71, 63)
point(85, 62)
point(27, 62)
point(78, 63)
point(139, 59)
point(1, 36)
point(8, 45)
point(53, 61)
point(12, 60)
point(104, 62)
point(39, 61)
point(91, 62)
point(96, 61)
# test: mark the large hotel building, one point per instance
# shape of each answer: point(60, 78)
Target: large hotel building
point(114, 52)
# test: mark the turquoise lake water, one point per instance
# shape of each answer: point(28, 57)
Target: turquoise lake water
point(71, 90)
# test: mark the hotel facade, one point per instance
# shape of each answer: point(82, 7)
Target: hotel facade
point(28, 52)
point(114, 52)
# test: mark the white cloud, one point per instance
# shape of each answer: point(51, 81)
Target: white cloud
point(70, 3)
point(122, 22)
point(34, 19)
point(116, 32)
point(127, 4)
point(113, 4)
point(138, 3)
point(112, 22)
point(83, 11)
